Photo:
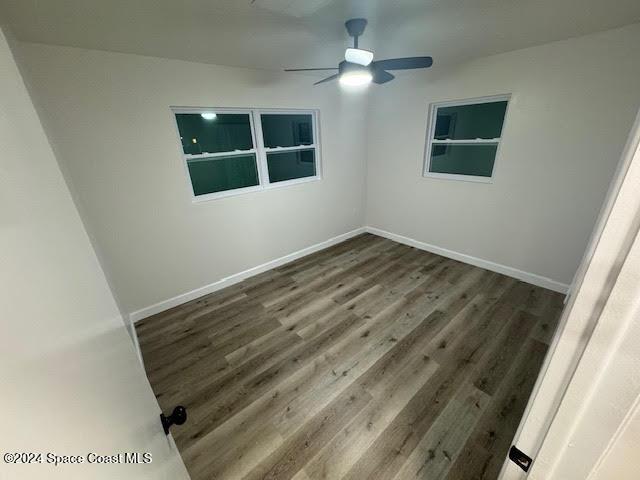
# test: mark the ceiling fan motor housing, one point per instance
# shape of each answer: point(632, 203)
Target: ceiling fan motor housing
point(344, 67)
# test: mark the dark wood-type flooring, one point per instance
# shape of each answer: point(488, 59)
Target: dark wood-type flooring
point(368, 360)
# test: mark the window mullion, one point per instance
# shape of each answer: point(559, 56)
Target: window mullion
point(261, 154)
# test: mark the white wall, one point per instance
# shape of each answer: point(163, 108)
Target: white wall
point(573, 103)
point(109, 119)
point(71, 381)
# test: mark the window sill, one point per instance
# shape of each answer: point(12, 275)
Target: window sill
point(287, 183)
point(476, 141)
point(258, 188)
point(460, 178)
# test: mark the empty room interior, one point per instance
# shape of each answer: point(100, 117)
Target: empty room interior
point(320, 239)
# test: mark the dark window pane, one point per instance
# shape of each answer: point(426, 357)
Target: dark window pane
point(287, 130)
point(224, 133)
point(289, 165)
point(463, 159)
point(482, 120)
point(217, 174)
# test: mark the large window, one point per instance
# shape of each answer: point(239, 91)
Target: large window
point(227, 152)
point(463, 138)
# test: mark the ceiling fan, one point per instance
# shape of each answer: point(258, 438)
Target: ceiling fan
point(358, 67)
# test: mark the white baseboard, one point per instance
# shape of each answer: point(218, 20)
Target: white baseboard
point(238, 277)
point(531, 278)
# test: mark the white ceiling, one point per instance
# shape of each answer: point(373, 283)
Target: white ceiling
point(274, 34)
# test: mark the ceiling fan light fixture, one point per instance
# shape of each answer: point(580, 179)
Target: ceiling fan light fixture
point(356, 78)
point(358, 56)
point(358, 68)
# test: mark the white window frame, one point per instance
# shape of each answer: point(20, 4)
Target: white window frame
point(264, 150)
point(259, 150)
point(430, 141)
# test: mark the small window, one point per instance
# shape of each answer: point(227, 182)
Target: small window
point(464, 137)
point(227, 152)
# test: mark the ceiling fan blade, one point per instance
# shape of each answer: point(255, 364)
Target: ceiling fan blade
point(380, 76)
point(407, 63)
point(328, 79)
point(308, 69)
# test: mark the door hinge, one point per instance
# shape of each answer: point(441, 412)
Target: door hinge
point(519, 458)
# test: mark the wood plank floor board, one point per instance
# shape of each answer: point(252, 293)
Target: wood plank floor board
point(548, 319)
point(203, 399)
point(186, 376)
point(302, 445)
point(499, 359)
point(177, 324)
point(491, 438)
point(394, 446)
point(349, 359)
point(386, 331)
point(443, 442)
point(367, 360)
point(234, 436)
point(222, 400)
point(226, 317)
point(338, 456)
